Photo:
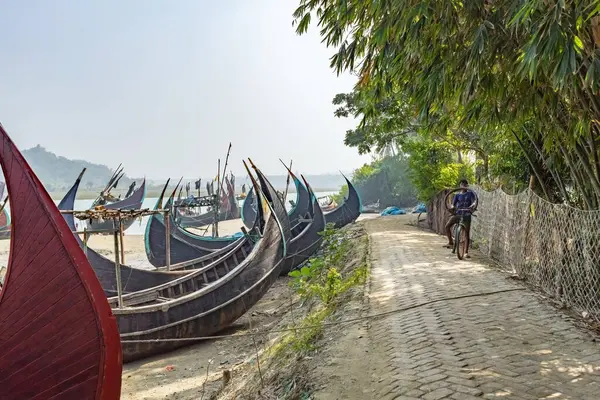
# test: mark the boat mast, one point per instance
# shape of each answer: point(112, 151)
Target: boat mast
point(215, 230)
point(219, 183)
point(108, 186)
point(287, 182)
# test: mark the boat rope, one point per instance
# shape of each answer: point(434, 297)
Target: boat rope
point(336, 323)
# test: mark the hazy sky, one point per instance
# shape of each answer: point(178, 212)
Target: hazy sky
point(163, 86)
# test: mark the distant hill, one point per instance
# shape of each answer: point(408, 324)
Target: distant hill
point(57, 173)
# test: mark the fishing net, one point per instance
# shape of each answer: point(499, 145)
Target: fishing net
point(551, 246)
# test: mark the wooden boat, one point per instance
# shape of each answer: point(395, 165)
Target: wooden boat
point(348, 211)
point(373, 208)
point(180, 251)
point(327, 203)
point(4, 224)
point(306, 238)
point(134, 279)
point(301, 215)
point(299, 209)
point(229, 210)
point(195, 306)
point(59, 338)
point(133, 202)
point(202, 242)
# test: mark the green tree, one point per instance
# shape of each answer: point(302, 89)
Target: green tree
point(481, 72)
point(386, 179)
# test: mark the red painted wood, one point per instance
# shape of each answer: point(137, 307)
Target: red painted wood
point(58, 336)
point(3, 219)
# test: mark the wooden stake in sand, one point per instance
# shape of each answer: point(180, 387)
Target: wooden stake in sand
point(118, 268)
point(167, 220)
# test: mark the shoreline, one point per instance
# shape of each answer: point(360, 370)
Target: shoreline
point(92, 194)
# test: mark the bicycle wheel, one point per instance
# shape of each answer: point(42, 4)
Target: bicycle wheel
point(461, 242)
point(454, 231)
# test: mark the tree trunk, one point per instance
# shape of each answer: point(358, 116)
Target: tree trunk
point(536, 169)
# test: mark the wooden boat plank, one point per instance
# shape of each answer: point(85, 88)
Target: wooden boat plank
point(25, 366)
point(46, 316)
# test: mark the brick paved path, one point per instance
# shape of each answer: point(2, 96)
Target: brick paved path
point(499, 346)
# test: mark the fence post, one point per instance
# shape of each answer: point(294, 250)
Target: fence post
point(85, 241)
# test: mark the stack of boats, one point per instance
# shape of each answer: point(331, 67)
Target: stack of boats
point(67, 321)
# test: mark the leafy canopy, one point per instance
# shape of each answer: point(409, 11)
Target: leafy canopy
point(483, 72)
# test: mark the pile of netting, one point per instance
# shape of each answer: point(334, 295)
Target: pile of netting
point(552, 246)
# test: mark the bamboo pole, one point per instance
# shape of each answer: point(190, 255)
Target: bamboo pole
point(219, 183)
point(121, 233)
point(89, 231)
point(85, 240)
point(168, 241)
point(124, 213)
point(287, 184)
point(118, 268)
point(217, 207)
point(4, 203)
point(225, 167)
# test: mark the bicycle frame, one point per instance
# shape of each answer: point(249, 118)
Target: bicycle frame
point(461, 224)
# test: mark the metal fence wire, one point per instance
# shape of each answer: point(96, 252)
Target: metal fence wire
point(552, 246)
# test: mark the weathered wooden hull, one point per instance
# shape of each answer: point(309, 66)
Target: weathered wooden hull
point(248, 212)
point(304, 244)
point(301, 208)
point(133, 279)
point(107, 227)
point(212, 308)
point(203, 316)
point(199, 326)
point(58, 336)
point(4, 225)
point(202, 242)
point(133, 202)
point(196, 221)
point(156, 245)
point(205, 242)
point(347, 212)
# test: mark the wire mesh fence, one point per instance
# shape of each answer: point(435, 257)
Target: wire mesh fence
point(552, 246)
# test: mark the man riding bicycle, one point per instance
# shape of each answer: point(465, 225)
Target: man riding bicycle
point(463, 204)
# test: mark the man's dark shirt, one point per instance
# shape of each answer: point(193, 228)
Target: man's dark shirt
point(463, 200)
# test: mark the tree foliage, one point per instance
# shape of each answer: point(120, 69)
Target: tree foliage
point(386, 179)
point(496, 77)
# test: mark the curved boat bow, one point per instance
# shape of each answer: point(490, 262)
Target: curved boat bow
point(348, 211)
point(299, 210)
point(58, 336)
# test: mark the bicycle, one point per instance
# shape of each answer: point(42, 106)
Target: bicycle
point(461, 235)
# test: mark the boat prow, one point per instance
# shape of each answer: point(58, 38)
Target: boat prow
point(59, 338)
